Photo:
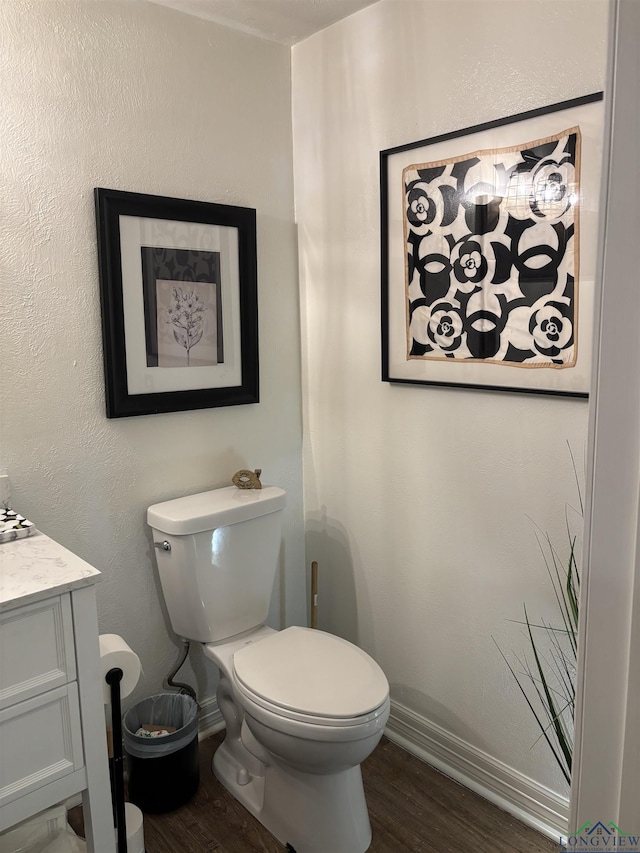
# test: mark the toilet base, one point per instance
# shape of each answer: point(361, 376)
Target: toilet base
point(312, 813)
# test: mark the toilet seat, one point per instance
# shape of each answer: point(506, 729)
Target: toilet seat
point(311, 677)
point(334, 728)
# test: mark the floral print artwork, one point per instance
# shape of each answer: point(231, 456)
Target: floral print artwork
point(186, 334)
point(182, 307)
point(492, 255)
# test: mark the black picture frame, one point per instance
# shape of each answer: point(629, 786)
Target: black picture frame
point(176, 275)
point(418, 347)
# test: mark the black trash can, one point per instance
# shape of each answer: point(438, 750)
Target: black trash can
point(163, 771)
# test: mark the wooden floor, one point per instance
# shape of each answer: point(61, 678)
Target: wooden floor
point(412, 808)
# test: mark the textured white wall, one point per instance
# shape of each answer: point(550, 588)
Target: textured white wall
point(134, 96)
point(420, 502)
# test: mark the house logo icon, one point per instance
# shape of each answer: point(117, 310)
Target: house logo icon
point(600, 836)
point(599, 829)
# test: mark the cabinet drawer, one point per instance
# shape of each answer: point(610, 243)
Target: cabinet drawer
point(36, 649)
point(40, 742)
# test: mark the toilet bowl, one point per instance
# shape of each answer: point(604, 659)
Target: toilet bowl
point(302, 708)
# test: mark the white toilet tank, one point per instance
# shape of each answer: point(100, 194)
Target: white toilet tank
point(217, 555)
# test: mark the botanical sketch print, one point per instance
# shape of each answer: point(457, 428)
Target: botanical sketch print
point(492, 255)
point(186, 335)
point(182, 307)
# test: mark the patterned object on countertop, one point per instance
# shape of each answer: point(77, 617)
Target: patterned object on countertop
point(14, 526)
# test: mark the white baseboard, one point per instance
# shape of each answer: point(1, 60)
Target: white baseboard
point(74, 801)
point(209, 718)
point(532, 803)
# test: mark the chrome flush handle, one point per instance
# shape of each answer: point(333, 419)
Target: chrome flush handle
point(162, 546)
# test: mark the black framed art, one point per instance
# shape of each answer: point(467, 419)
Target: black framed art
point(178, 285)
point(488, 253)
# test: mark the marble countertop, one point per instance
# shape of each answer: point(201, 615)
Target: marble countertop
point(37, 567)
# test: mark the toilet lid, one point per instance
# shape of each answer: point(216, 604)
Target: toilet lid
point(312, 672)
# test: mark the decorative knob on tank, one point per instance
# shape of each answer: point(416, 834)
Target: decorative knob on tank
point(245, 479)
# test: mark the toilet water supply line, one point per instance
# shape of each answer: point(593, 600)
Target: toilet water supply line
point(169, 682)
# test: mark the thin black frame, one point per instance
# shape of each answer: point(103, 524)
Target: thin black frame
point(110, 205)
point(384, 242)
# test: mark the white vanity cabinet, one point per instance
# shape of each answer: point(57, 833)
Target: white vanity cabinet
point(52, 726)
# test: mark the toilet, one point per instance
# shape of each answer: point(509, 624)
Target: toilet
point(302, 708)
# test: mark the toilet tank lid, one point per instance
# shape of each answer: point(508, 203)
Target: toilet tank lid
point(217, 508)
